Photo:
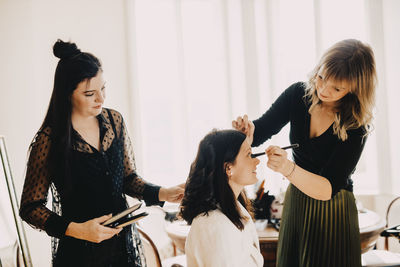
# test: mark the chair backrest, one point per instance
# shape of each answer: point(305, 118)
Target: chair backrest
point(150, 250)
point(392, 217)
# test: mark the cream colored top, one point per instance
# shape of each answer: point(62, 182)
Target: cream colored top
point(214, 240)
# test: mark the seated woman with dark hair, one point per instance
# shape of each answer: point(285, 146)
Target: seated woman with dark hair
point(222, 232)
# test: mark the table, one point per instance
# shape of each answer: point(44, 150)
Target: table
point(178, 231)
point(268, 244)
point(371, 225)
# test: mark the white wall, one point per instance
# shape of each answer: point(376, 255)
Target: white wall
point(391, 27)
point(28, 29)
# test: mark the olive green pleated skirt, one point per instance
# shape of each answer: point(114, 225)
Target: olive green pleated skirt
point(317, 233)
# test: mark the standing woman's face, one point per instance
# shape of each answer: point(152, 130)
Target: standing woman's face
point(330, 91)
point(88, 97)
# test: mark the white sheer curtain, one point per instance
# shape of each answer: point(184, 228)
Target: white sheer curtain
point(197, 64)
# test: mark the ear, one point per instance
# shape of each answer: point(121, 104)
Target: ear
point(228, 169)
point(227, 166)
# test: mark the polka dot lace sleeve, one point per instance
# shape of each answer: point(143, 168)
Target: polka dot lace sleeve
point(34, 195)
point(133, 184)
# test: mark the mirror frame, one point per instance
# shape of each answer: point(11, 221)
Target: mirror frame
point(22, 241)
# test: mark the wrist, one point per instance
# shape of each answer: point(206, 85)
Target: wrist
point(73, 229)
point(162, 194)
point(289, 168)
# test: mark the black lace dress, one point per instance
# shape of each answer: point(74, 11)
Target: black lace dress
point(100, 180)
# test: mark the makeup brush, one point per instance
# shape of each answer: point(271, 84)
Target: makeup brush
point(285, 147)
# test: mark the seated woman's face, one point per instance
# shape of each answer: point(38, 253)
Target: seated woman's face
point(243, 171)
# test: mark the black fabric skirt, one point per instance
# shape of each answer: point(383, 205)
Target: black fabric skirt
point(317, 233)
point(79, 253)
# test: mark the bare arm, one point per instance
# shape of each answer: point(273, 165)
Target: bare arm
point(321, 188)
point(311, 184)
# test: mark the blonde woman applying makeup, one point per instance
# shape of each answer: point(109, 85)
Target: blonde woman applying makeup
point(329, 118)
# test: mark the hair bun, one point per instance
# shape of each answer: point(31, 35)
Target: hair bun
point(64, 50)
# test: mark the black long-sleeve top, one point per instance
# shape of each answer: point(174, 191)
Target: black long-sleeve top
point(325, 155)
point(95, 173)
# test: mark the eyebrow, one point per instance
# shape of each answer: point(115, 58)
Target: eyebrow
point(89, 91)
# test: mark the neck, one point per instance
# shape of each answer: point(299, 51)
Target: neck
point(80, 121)
point(330, 107)
point(236, 189)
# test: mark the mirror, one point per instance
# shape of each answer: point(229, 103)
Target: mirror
point(14, 250)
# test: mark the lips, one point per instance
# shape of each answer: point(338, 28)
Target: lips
point(323, 96)
point(97, 107)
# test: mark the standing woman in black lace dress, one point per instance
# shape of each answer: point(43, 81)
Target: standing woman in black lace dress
point(83, 152)
point(329, 118)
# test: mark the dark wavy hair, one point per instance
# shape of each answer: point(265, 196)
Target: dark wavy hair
point(73, 68)
point(207, 186)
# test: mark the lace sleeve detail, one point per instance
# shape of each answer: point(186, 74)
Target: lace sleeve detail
point(134, 185)
point(37, 181)
point(33, 208)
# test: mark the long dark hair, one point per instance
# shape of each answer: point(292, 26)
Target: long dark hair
point(73, 67)
point(207, 186)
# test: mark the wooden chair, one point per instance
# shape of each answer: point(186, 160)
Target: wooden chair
point(153, 257)
point(150, 250)
point(384, 257)
point(388, 219)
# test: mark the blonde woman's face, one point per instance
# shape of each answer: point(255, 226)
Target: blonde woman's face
point(330, 91)
point(88, 98)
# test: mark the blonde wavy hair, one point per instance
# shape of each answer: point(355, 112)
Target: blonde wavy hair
point(349, 61)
